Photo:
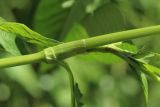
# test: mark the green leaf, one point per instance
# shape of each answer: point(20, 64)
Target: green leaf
point(76, 15)
point(151, 71)
point(20, 74)
point(2, 20)
point(7, 41)
point(142, 67)
point(62, 18)
point(131, 15)
point(141, 71)
point(143, 81)
point(50, 17)
point(91, 7)
point(27, 34)
point(141, 77)
point(127, 46)
point(149, 57)
point(26, 77)
point(144, 87)
point(76, 32)
point(78, 95)
point(104, 20)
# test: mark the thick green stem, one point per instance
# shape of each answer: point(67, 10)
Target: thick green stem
point(121, 36)
point(69, 49)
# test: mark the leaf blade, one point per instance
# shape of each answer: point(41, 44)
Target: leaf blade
point(27, 34)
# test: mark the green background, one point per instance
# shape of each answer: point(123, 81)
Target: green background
point(104, 79)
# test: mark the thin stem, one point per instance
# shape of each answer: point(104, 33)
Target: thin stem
point(71, 81)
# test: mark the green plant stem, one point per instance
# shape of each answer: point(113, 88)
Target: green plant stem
point(71, 81)
point(69, 49)
point(122, 36)
point(20, 60)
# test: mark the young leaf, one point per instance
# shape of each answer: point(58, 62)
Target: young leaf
point(149, 57)
point(144, 85)
point(127, 46)
point(152, 71)
point(143, 81)
point(141, 77)
point(7, 41)
point(27, 34)
point(141, 67)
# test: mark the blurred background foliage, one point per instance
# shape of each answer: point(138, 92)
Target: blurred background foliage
point(104, 79)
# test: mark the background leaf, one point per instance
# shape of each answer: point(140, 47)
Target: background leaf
point(5, 11)
point(77, 13)
point(45, 18)
point(105, 17)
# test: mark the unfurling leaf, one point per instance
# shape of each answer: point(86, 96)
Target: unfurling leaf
point(25, 33)
point(128, 46)
point(7, 41)
point(152, 71)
